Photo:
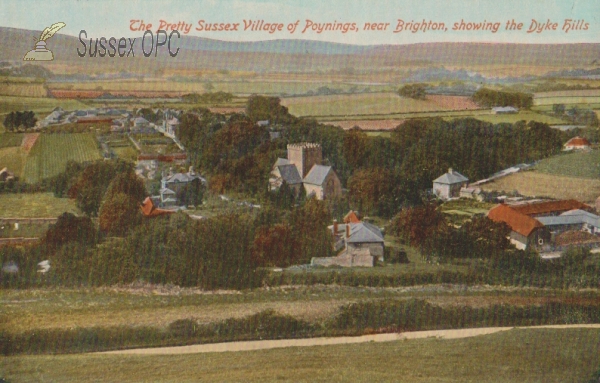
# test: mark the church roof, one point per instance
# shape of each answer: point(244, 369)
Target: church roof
point(317, 175)
point(289, 173)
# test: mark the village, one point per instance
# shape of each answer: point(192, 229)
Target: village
point(401, 210)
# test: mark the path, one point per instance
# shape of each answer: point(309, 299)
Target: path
point(269, 344)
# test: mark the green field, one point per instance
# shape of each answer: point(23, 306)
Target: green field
point(37, 104)
point(521, 116)
point(233, 86)
point(538, 184)
point(359, 104)
point(13, 158)
point(520, 355)
point(8, 140)
point(50, 154)
point(34, 205)
point(584, 164)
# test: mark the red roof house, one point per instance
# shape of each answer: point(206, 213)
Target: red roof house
point(149, 210)
point(577, 143)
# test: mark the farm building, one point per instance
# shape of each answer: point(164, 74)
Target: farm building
point(541, 225)
point(448, 185)
point(303, 168)
point(361, 244)
point(505, 110)
point(577, 143)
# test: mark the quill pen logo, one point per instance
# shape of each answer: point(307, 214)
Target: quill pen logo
point(40, 52)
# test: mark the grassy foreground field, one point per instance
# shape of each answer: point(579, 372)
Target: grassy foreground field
point(536, 355)
point(538, 184)
point(51, 152)
point(34, 205)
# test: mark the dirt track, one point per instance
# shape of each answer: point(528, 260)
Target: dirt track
point(269, 344)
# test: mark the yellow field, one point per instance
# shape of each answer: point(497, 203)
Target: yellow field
point(363, 104)
point(535, 184)
point(37, 104)
point(22, 89)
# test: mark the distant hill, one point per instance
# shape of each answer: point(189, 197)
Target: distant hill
point(300, 55)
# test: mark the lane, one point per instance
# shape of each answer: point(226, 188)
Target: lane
point(308, 342)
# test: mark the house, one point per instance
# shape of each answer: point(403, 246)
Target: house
point(449, 184)
point(538, 224)
point(150, 210)
point(577, 143)
point(360, 243)
point(318, 180)
point(175, 181)
point(505, 110)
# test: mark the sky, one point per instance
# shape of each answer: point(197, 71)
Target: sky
point(114, 18)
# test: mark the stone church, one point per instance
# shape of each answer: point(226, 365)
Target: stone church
point(303, 169)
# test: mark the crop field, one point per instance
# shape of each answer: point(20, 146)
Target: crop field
point(521, 116)
point(584, 164)
point(8, 140)
point(22, 89)
point(37, 104)
point(182, 87)
point(568, 97)
point(371, 125)
point(519, 355)
point(34, 205)
point(50, 154)
point(13, 158)
point(373, 104)
point(538, 184)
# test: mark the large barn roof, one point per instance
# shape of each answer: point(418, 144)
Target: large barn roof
point(518, 222)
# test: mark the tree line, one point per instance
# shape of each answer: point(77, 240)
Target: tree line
point(19, 120)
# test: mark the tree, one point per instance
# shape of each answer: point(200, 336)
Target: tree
point(355, 147)
point(415, 91)
point(129, 184)
point(414, 225)
point(10, 121)
point(192, 193)
point(370, 186)
point(69, 228)
point(309, 224)
point(119, 214)
point(486, 236)
point(275, 246)
point(558, 109)
point(260, 108)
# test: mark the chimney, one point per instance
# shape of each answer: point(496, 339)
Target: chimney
point(191, 171)
point(347, 230)
point(450, 170)
point(335, 227)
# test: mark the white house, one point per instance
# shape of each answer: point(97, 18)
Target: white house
point(448, 185)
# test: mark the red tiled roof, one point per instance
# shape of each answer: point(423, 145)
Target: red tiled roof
point(351, 217)
point(578, 141)
point(149, 210)
point(518, 222)
point(550, 207)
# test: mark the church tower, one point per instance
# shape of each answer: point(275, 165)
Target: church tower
point(304, 156)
